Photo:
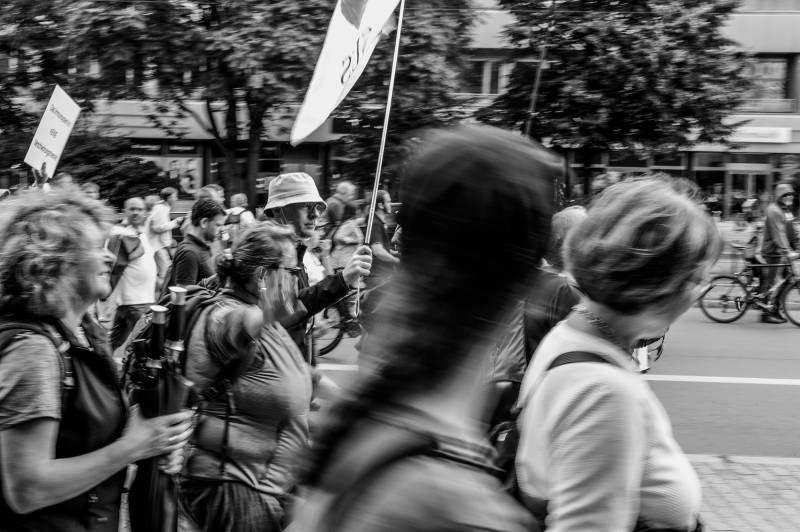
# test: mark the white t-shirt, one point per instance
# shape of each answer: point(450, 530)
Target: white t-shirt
point(137, 286)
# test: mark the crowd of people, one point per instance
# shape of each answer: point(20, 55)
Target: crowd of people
point(406, 446)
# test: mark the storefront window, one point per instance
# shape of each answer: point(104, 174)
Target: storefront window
point(709, 160)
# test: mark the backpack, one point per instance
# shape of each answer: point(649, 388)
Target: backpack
point(198, 300)
point(504, 433)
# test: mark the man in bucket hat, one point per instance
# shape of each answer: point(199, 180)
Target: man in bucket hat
point(294, 200)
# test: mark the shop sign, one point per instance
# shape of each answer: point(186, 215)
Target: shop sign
point(146, 147)
point(766, 135)
point(188, 149)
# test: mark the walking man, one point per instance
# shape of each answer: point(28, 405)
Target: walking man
point(159, 228)
point(777, 245)
point(135, 288)
point(193, 259)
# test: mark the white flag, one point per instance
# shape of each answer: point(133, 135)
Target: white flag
point(353, 33)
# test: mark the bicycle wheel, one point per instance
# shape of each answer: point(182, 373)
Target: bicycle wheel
point(790, 301)
point(328, 330)
point(725, 300)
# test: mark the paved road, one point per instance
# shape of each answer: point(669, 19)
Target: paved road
point(748, 416)
point(741, 431)
point(754, 417)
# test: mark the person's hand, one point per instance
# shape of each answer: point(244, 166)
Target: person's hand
point(359, 265)
point(172, 463)
point(157, 436)
point(179, 221)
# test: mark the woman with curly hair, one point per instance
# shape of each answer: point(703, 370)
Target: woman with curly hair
point(66, 433)
point(406, 451)
point(253, 424)
point(596, 448)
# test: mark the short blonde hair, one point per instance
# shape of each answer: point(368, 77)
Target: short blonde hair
point(43, 242)
point(641, 242)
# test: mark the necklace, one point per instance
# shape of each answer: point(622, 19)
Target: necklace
point(604, 330)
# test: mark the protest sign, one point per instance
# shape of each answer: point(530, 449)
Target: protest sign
point(53, 132)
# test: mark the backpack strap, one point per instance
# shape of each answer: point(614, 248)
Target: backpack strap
point(574, 357)
point(12, 330)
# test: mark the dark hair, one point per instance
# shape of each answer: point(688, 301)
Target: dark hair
point(205, 208)
point(477, 203)
point(166, 192)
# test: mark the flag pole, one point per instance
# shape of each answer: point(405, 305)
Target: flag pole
point(384, 132)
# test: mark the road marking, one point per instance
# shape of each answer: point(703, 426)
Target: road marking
point(649, 377)
point(723, 380)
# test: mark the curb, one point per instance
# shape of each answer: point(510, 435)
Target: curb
point(733, 459)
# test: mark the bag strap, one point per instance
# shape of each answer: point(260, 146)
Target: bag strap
point(574, 357)
point(10, 330)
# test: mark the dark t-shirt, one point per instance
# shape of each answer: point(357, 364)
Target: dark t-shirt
point(192, 262)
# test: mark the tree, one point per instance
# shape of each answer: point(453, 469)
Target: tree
point(108, 163)
point(246, 60)
point(635, 75)
point(434, 37)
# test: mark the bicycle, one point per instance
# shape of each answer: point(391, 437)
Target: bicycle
point(332, 324)
point(728, 297)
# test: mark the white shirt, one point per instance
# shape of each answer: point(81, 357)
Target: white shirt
point(597, 444)
point(137, 286)
point(159, 226)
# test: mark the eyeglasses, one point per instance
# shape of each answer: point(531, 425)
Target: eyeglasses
point(315, 207)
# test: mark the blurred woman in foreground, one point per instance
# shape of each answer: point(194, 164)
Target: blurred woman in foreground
point(406, 451)
point(66, 435)
point(596, 448)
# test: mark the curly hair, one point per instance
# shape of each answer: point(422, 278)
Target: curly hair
point(641, 242)
point(44, 239)
point(477, 205)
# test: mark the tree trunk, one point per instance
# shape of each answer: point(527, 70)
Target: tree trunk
point(228, 176)
point(256, 106)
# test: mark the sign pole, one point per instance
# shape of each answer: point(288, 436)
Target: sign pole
point(384, 132)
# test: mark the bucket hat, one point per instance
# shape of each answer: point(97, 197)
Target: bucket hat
point(294, 187)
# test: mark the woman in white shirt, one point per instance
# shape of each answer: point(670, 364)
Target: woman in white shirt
point(596, 447)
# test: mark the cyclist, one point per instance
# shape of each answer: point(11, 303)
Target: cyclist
point(777, 245)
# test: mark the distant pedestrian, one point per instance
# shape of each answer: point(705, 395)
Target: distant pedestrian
point(339, 207)
point(91, 189)
point(160, 226)
point(135, 289)
point(777, 244)
point(193, 260)
point(596, 449)
point(238, 218)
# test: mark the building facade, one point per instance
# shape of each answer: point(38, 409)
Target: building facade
point(763, 151)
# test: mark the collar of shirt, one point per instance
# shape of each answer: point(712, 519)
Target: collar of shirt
point(199, 242)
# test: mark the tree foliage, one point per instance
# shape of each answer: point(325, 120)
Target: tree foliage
point(640, 75)
point(429, 69)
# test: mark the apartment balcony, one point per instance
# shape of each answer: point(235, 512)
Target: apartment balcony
point(768, 106)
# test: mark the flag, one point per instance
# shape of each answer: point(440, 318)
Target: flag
point(354, 31)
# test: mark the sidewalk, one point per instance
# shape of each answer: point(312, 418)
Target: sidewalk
point(749, 494)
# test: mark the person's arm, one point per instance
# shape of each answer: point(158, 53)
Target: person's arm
point(381, 254)
point(31, 477)
point(596, 453)
point(186, 267)
point(323, 294)
point(160, 222)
